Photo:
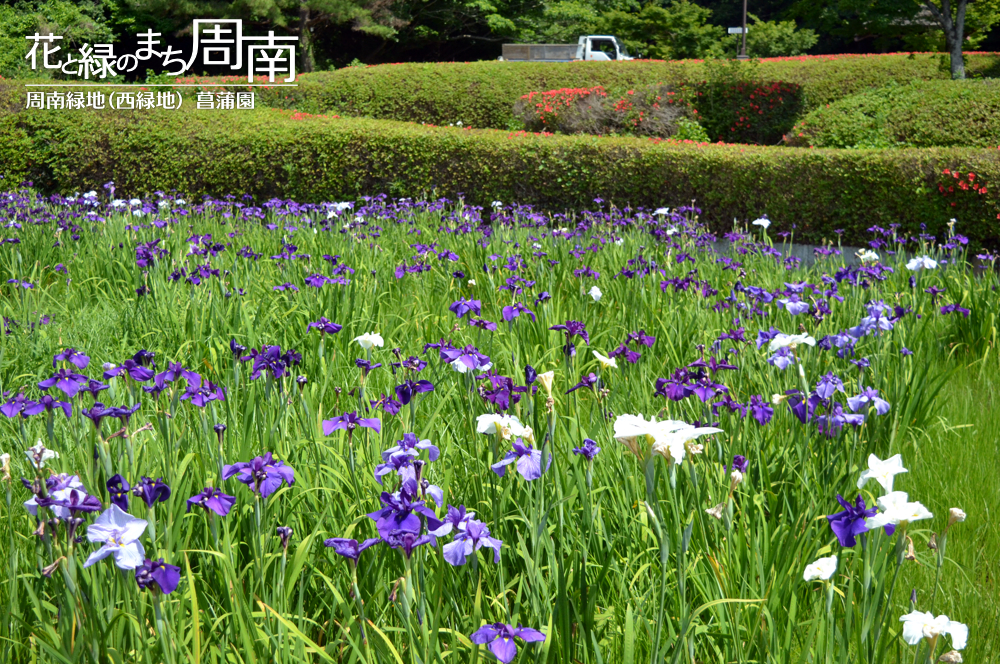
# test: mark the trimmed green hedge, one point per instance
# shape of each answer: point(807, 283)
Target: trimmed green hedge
point(922, 114)
point(482, 94)
point(268, 153)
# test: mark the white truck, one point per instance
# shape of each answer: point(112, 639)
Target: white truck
point(588, 47)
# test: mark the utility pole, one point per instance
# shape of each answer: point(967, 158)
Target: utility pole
point(743, 48)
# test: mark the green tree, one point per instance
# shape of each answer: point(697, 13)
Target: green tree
point(771, 39)
point(677, 30)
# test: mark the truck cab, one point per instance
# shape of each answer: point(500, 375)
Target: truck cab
point(602, 48)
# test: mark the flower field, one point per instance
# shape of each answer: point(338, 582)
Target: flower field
point(417, 431)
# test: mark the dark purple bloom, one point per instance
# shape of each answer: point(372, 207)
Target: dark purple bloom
point(406, 390)
point(511, 312)
point(406, 540)
point(74, 357)
point(325, 326)
point(97, 412)
point(760, 409)
point(144, 358)
point(455, 520)
point(869, 398)
point(388, 404)
point(212, 499)
point(118, 490)
point(474, 536)
point(151, 491)
point(400, 512)
point(412, 446)
point(235, 348)
point(588, 450)
point(740, 463)
point(528, 459)
point(94, 387)
point(136, 371)
point(46, 403)
point(349, 548)
point(123, 413)
point(284, 533)
point(15, 405)
point(165, 577)
point(671, 388)
point(264, 474)
point(461, 307)
point(588, 380)
point(483, 324)
point(828, 385)
point(500, 639)
point(350, 422)
point(849, 523)
point(573, 328)
point(954, 308)
point(201, 393)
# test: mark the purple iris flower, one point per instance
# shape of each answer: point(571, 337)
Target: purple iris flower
point(456, 519)
point(235, 348)
point(529, 374)
point(588, 380)
point(66, 381)
point(760, 409)
point(411, 445)
point(740, 463)
point(388, 404)
point(528, 459)
point(65, 504)
point(97, 412)
point(136, 371)
point(461, 307)
point(705, 389)
point(466, 359)
point(350, 422)
point(831, 424)
point(144, 358)
point(94, 387)
point(588, 450)
point(15, 405)
point(165, 577)
point(46, 403)
point(394, 464)
point(782, 358)
point(483, 324)
point(849, 523)
point(118, 490)
point(829, 385)
point(406, 540)
point(366, 366)
point(794, 305)
point(151, 491)
point(868, 398)
point(176, 370)
point(201, 393)
point(400, 512)
point(264, 474)
point(573, 328)
point(511, 312)
point(212, 499)
point(671, 388)
point(268, 358)
point(954, 308)
point(73, 356)
point(714, 365)
point(473, 537)
point(764, 338)
point(349, 548)
point(642, 338)
point(406, 390)
point(123, 413)
point(325, 326)
point(500, 639)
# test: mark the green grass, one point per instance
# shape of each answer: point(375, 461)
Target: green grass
point(583, 559)
point(954, 463)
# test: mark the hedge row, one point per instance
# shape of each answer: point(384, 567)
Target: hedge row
point(482, 94)
point(270, 153)
point(922, 114)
